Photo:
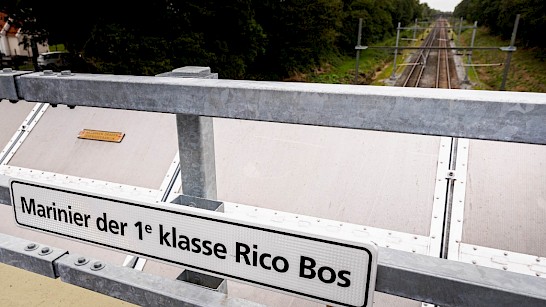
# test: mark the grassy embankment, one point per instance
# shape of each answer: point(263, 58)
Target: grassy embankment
point(527, 69)
point(374, 65)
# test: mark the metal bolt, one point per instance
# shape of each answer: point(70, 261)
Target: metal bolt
point(97, 266)
point(7, 70)
point(81, 261)
point(45, 251)
point(66, 73)
point(48, 72)
point(31, 247)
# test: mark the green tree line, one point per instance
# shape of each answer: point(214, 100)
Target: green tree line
point(499, 17)
point(252, 39)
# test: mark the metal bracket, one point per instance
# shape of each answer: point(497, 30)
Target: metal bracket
point(508, 49)
point(29, 256)
point(138, 287)
point(9, 85)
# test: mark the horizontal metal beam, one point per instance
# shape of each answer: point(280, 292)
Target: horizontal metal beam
point(138, 287)
point(450, 283)
point(418, 277)
point(117, 281)
point(502, 116)
point(8, 87)
point(28, 255)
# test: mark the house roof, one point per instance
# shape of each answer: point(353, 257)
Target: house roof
point(12, 30)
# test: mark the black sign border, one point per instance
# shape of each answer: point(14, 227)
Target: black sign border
point(203, 218)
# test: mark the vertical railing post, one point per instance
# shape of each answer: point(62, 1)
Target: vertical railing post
point(393, 75)
point(509, 55)
point(196, 143)
point(196, 150)
point(197, 161)
point(358, 42)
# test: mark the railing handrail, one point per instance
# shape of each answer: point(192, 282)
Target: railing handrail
point(488, 115)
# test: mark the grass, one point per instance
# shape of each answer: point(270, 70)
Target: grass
point(527, 69)
point(58, 47)
point(374, 65)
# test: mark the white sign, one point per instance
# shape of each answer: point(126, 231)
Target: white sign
point(280, 259)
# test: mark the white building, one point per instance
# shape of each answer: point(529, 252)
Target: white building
point(11, 38)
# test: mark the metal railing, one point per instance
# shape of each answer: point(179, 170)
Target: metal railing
point(498, 116)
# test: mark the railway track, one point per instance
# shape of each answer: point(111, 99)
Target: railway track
point(432, 68)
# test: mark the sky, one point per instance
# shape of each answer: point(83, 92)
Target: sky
point(442, 5)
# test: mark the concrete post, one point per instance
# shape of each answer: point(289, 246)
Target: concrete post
point(469, 59)
point(415, 29)
point(358, 41)
point(393, 75)
point(459, 33)
point(509, 56)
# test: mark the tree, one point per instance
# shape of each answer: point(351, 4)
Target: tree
point(499, 16)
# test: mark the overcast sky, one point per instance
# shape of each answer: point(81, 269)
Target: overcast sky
point(442, 5)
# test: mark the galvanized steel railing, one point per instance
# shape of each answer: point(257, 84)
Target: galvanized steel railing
point(498, 116)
